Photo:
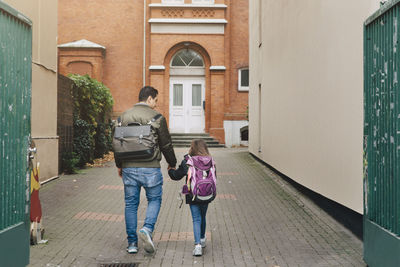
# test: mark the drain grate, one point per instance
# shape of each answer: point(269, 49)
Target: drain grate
point(131, 264)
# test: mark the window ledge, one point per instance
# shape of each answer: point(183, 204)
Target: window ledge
point(156, 67)
point(217, 68)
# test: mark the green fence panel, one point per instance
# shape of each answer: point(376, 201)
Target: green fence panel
point(382, 136)
point(15, 108)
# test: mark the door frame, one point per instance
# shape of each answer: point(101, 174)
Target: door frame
point(185, 80)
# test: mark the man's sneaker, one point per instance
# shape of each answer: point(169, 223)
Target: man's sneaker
point(147, 242)
point(197, 250)
point(132, 248)
point(203, 242)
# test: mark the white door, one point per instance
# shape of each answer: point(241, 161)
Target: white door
point(187, 96)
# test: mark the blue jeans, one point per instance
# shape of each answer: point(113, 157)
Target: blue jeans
point(135, 178)
point(199, 212)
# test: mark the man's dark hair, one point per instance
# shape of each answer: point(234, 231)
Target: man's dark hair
point(147, 91)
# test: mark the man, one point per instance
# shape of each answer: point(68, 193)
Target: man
point(146, 174)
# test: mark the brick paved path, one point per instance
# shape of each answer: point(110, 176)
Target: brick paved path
point(257, 220)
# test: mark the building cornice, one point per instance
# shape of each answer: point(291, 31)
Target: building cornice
point(190, 21)
point(189, 5)
point(82, 44)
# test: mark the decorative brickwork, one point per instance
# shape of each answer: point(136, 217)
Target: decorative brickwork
point(172, 13)
point(203, 13)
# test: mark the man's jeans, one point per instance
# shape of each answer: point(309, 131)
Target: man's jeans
point(199, 212)
point(135, 178)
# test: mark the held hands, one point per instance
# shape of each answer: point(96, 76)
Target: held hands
point(120, 172)
point(171, 168)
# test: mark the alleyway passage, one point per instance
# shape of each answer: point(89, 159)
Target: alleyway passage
point(257, 220)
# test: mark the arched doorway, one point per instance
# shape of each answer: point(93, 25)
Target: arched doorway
point(187, 92)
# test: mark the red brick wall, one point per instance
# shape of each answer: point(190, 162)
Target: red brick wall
point(239, 45)
point(117, 25)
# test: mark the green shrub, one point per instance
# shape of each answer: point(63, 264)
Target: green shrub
point(102, 139)
point(83, 142)
point(70, 162)
point(93, 104)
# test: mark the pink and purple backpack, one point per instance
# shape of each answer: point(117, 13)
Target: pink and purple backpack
point(203, 181)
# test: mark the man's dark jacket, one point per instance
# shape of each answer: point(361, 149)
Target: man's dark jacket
point(142, 114)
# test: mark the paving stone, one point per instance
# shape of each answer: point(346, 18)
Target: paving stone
point(257, 220)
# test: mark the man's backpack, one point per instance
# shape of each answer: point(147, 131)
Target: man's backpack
point(135, 141)
point(203, 181)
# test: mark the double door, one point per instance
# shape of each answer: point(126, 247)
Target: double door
point(187, 100)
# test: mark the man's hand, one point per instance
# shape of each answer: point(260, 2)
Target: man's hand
point(120, 172)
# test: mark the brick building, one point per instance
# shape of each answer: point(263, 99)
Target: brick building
point(195, 52)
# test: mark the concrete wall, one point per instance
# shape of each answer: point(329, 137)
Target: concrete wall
point(306, 92)
point(43, 14)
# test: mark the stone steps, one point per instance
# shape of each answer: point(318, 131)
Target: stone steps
point(184, 140)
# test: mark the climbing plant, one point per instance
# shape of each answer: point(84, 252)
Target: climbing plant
point(93, 104)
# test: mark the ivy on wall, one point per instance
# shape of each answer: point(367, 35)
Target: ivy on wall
point(93, 104)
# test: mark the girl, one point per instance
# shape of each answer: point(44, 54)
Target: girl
point(198, 210)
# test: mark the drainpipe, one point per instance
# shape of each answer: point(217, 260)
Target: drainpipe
point(144, 43)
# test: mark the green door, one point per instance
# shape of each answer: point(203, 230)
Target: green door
point(15, 108)
point(382, 137)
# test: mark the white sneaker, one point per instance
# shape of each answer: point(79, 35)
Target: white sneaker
point(145, 236)
point(197, 250)
point(203, 242)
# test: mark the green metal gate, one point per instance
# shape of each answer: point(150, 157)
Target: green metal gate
point(15, 108)
point(382, 136)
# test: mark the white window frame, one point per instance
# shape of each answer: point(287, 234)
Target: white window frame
point(240, 87)
point(178, 2)
point(202, 2)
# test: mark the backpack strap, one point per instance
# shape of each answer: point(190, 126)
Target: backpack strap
point(191, 171)
point(156, 117)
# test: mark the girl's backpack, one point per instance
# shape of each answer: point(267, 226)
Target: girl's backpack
point(203, 182)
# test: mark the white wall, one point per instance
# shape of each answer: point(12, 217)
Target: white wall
point(232, 132)
point(310, 67)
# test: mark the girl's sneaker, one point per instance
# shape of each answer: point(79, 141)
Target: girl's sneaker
point(203, 242)
point(197, 250)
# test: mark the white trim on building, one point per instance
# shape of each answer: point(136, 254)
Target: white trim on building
point(190, 5)
point(191, 21)
point(156, 67)
point(217, 68)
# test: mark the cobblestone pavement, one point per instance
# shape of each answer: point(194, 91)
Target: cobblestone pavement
point(257, 220)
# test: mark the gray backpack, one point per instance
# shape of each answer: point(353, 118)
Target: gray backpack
point(135, 141)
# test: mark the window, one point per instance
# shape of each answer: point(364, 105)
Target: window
point(196, 95)
point(173, 1)
point(243, 80)
point(178, 95)
point(198, 2)
point(187, 58)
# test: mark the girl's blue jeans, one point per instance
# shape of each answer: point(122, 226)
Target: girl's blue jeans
point(134, 179)
point(199, 212)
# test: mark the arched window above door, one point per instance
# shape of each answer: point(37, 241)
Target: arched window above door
point(187, 58)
